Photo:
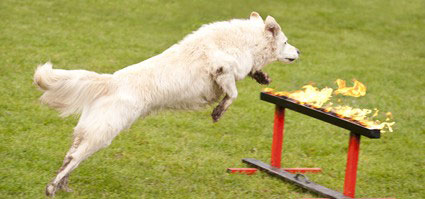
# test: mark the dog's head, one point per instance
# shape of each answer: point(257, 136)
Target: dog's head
point(281, 49)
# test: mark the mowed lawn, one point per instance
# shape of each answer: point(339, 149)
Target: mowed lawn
point(177, 154)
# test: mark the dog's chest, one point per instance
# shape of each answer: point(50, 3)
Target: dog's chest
point(244, 67)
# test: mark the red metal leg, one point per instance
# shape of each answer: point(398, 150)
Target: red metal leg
point(279, 121)
point(248, 171)
point(351, 169)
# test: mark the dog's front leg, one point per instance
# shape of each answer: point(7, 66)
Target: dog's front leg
point(261, 77)
point(227, 82)
point(221, 108)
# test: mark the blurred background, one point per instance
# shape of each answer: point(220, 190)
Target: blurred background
point(183, 154)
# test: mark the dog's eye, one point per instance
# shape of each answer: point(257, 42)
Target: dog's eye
point(285, 42)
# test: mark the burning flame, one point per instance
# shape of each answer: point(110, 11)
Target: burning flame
point(319, 99)
point(357, 90)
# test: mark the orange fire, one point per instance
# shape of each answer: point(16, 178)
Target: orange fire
point(357, 90)
point(320, 99)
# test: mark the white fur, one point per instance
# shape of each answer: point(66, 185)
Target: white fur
point(189, 75)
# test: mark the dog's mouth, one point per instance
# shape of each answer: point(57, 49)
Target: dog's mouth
point(289, 60)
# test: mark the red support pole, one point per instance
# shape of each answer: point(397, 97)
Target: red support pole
point(248, 171)
point(279, 121)
point(351, 169)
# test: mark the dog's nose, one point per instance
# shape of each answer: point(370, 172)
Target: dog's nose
point(298, 51)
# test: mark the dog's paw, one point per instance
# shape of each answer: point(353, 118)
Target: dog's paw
point(51, 190)
point(261, 77)
point(217, 113)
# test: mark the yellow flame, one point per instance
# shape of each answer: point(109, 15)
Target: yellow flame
point(357, 90)
point(389, 116)
point(268, 90)
point(312, 95)
point(376, 112)
point(319, 99)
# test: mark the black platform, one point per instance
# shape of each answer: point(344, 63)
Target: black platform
point(321, 115)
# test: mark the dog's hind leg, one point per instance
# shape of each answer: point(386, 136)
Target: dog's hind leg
point(63, 184)
point(95, 131)
point(82, 152)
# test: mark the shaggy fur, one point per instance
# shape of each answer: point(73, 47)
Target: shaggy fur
point(192, 74)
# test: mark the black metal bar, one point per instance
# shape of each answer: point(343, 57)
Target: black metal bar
point(295, 178)
point(324, 116)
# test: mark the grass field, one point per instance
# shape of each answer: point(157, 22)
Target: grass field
point(183, 154)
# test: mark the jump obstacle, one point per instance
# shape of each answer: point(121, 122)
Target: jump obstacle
point(294, 175)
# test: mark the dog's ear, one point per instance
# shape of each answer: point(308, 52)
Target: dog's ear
point(272, 26)
point(255, 16)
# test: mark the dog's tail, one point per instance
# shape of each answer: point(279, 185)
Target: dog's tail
point(69, 91)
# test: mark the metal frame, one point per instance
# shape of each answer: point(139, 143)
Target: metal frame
point(297, 179)
point(356, 130)
point(328, 117)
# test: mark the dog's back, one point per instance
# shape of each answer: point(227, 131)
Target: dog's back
point(183, 76)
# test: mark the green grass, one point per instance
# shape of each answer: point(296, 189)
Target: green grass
point(182, 154)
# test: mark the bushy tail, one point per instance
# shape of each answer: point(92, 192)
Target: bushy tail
point(69, 91)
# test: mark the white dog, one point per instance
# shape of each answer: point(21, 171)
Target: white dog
point(194, 73)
